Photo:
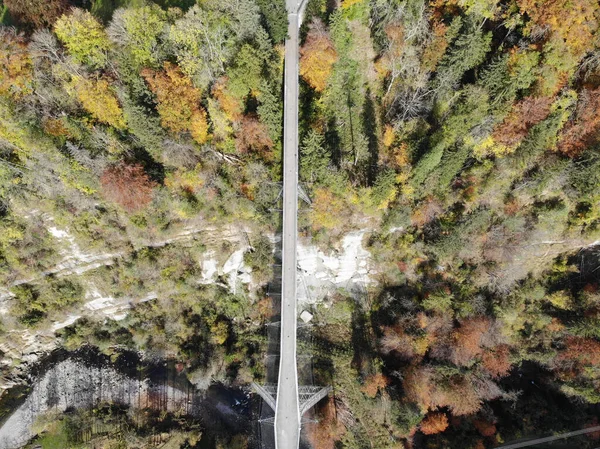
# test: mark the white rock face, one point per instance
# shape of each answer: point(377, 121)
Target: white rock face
point(75, 260)
point(209, 267)
point(233, 270)
point(73, 384)
point(236, 271)
point(320, 273)
point(67, 322)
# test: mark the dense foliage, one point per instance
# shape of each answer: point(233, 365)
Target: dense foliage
point(470, 129)
point(463, 134)
point(150, 126)
point(127, 130)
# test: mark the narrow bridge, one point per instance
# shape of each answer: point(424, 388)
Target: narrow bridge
point(289, 400)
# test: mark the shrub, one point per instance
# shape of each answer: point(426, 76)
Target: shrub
point(260, 259)
point(34, 303)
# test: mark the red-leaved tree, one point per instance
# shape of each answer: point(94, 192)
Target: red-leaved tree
point(328, 429)
point(497, 361)
point(253, 137)
point(467, 339)
point(127, 185)
point(524, 115)
point(485, 427)
point(584, 129)
point(581, 351)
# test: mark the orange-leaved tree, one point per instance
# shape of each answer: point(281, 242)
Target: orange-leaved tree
point(497, 361)
point(434, 423)
point(573, 21)
point(437, 46)
point(329, 210)
point(390, 63)
point(429, 390)
point(178, 102)
point(467, 340)
point(566, 28)
point(39, 13)
point(328, 429)
point(253, 137)
point(231, 105)
point(396, 341)
point(374, 384)
point(524, 115)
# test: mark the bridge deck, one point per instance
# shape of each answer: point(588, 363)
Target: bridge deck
point(287, 412)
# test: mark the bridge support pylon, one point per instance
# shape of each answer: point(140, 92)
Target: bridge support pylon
point(268, 393)
point(308, 395)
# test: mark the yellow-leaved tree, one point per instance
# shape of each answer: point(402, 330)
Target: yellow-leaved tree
point(100, 100)
point(317, 56)
point(84, 37)
point(328, 211)
point(199, 126)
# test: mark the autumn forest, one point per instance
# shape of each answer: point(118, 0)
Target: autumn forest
point(462, 136)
